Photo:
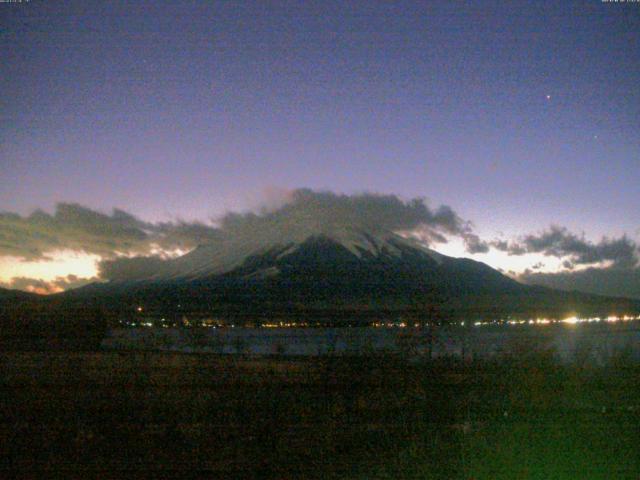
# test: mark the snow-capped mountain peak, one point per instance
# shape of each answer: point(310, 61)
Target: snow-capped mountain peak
point(226, 256)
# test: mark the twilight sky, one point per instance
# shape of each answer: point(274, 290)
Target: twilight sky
point(522, 117)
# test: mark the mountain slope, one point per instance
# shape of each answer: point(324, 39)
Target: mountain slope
point(7, 295)
point(226, 256)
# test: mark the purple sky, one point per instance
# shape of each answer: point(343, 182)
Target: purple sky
point(517, 114)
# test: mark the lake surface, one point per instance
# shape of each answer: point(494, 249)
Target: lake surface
point(596, 342)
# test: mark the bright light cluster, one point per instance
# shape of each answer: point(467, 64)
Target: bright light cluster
point(569, 320)
point(285, 325)
point(399, 323)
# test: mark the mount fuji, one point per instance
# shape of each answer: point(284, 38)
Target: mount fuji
point(341, 273)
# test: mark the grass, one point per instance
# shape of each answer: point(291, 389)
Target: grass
point(117, 414)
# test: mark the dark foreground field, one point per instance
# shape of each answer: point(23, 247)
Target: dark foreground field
point(164, 415)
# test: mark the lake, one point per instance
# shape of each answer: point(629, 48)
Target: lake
point(597, 342)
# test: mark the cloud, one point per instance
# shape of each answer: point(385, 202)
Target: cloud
point(311, 212)
point(621, 277)
point(38, 285)
point(129, 247)
point(304, 212)
point(621, 282)
point(511, 248)
point(474, 244)
point(130, 268)
point(77, 228)
point(301, 212)
point(559, 242)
